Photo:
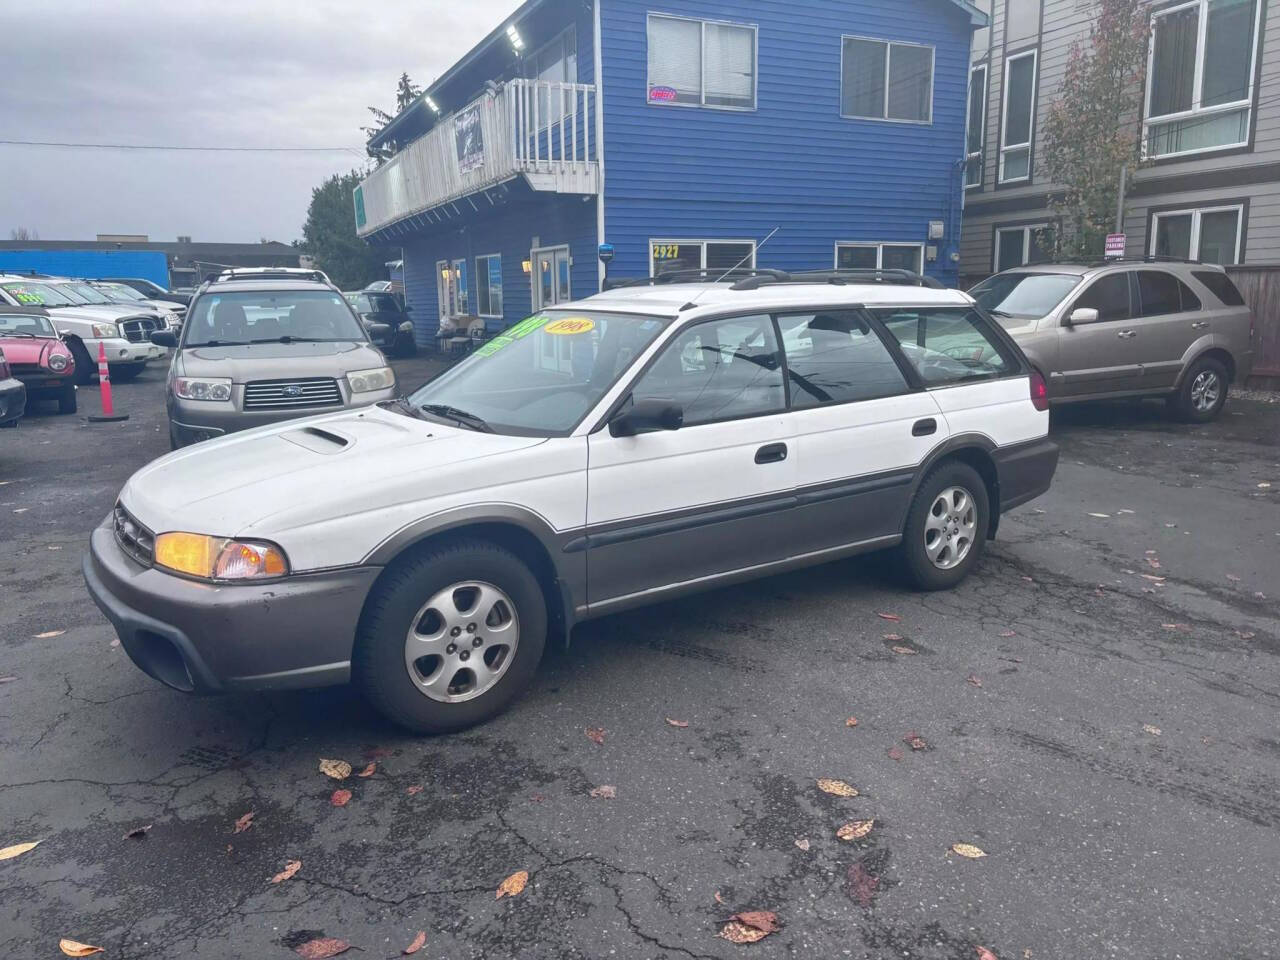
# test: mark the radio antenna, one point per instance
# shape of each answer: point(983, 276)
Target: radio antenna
point(694, 301)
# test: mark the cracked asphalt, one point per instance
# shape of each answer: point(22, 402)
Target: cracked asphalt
point(1119, 763)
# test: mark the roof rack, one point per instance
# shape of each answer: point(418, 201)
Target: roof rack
point(843, 276)
point(693, 275)
point(269, 273)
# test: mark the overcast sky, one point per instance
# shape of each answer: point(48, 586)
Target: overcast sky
point(199, 73)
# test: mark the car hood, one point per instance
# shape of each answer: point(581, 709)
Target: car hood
point(265, 481)
point(274, 361)
point(94, 313)
point(1017, 326)
point(28, 350)
point(163, 306)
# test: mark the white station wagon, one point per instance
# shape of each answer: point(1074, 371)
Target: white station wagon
point(641, 444)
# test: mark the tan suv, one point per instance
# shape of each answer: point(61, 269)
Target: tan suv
point(1128, 328)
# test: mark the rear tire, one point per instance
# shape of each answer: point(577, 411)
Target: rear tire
point(67, 399)
point(125, 372)
point(1203, 392)
point(418, 604)
point(946, 528)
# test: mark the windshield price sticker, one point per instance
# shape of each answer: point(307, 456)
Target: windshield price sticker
point(571, 326)
point(518, 332)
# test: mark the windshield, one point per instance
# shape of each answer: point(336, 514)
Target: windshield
point(542, 376)
point(120, 293)
point(85, 292)
point(36, 294)
point(1026, 296)
point(22, 324)
point(270, 316)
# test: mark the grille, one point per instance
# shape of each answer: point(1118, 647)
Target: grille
point(135, 539)
point(139, 329)
point(292, 394)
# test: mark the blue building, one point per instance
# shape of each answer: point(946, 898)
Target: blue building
point(683, 133)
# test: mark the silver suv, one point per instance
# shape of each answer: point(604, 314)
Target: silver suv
point(269, 348)
point(1125, 328)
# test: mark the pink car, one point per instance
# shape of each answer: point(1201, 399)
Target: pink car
point(37, 356)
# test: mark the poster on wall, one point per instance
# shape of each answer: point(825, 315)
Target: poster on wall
point(469, 137)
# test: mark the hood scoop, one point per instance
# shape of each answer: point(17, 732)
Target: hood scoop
point(318, 440)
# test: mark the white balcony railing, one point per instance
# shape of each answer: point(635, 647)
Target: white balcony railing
point(543, 131)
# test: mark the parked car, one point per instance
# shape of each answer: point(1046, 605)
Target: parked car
point(386, 320)
point(38, 357)
point(604, 454)
point(257, 351)
point(152, 291)
point(83, 326)
point(13, 395)
point(1174, 329)
point(170, 311)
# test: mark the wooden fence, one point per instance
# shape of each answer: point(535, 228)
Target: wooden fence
point(1260, 286)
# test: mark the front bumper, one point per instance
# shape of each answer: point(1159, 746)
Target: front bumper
point(13, 401)
point(196, 420)
point(1025, 471)
point(215, 638)
point(120, 350)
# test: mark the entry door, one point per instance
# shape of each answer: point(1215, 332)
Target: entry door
point(551, 277)
point(444, 289)
point(1101, 357)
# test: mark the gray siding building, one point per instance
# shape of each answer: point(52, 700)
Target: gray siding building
point(1210, 132)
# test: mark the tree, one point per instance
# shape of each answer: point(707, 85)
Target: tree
point(406, 93)
point(329, 235)
point(23, 233)
point(1091, 129)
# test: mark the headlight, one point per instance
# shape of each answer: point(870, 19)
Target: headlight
point(406, 327)
point(217, 558)
point(202, 388)
point(379, 378)
point(170, 317)
point(58, 362)
point(108, 331)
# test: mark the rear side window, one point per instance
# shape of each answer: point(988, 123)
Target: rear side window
point(1220, 286)
point(836, 357)
point(1108, 295)
point(1159, 293)
point(948, 344)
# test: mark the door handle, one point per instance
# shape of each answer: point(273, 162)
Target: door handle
point(1199, 324)
point(772, 453)
point(923, 428)
point(1127, 334)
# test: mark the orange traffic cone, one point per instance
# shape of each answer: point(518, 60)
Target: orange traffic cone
point(108, 414)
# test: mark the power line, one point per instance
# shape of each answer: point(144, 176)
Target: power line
point(177, 147)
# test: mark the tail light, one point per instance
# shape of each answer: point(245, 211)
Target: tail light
point(1039, 391)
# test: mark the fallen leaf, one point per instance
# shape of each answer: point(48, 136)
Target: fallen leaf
point(533, 797)
point(836, 788)
point(968, 850)
point(1151, 729)
point(137, 832)
point(1233, 578)
point(244, 823)
point(677, 723)
point(338, 769)
point(904, 651)
point(740, 933)
point(340, 798)
point(915, 741)
point(18, 849)
point(803, 843)
point(49, 633)
point(7, 679)
point(1264, 486)
point(1029, 579)
point(894, 636)
point(115, 643)
point(1183, 627)
point(1026, 955)
point(605, 792)
point(1152, 577)
point(1124, 511)
point(322, 948)
point(1245, 634)
point(1101, 516)
point(21, 510)
point(73, 948)
point(851, 722)
point(855, 829)
point(513, 885)
point(719, 899)
point(595, 734)
point(985, 954)
point(861, 883)
point(750, 926)
point(1154, 563)
point(290, 868)
point(888, 616)
point(974, 679)
point(1008, 633)
point(895, 753)
point(415, 789)
point(367, 771)
point(417, 944)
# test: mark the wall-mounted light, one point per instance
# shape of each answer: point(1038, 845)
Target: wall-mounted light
point(527, 266)
point(432, 104)
point(517, 42)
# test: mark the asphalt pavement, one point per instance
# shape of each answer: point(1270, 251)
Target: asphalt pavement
point(1096, 710)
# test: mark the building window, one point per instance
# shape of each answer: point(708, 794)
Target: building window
point(1211, 235)
point(1018, 119)
point(668, 255)
point(461, 291)
point(489, 285)
point(1018, 246)
point(886, 81)
point(977, 135)
point(1200, 87)
point(557, 62)
point(702, 63)
point(880, 256)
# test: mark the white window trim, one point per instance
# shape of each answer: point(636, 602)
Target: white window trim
point(981, 154)
point(1005, 146)
point(702, 72)
point(878, 247)
point(687, 240)
point(486, 257)
point(457, 286)
point(888, 60)
point(535, 278)
point(1197, 87)
point(1026, 242)
point(1197, 213)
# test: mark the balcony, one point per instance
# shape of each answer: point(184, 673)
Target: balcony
point(543, 132)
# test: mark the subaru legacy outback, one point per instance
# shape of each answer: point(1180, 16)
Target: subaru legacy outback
point(641, 444)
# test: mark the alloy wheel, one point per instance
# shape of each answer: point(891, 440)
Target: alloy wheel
point(950, 528)
point(462, 641)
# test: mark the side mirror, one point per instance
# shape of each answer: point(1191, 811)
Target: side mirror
point(164, 338)
point(646, 416)
point(1082, 315)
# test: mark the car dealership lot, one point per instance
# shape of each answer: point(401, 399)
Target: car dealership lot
point(1119, 761)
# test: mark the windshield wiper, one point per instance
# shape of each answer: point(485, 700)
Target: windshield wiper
point(220, 343)
point(995, 312)
point(461, 416)
point(290, 338)
point(404, 406)
point(16, 333)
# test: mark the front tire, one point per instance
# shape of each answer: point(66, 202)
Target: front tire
point(450, 636)
point(946, 528)
point(1203, 392)
point(86, 367)
point(67, 399)
point(125, 372)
